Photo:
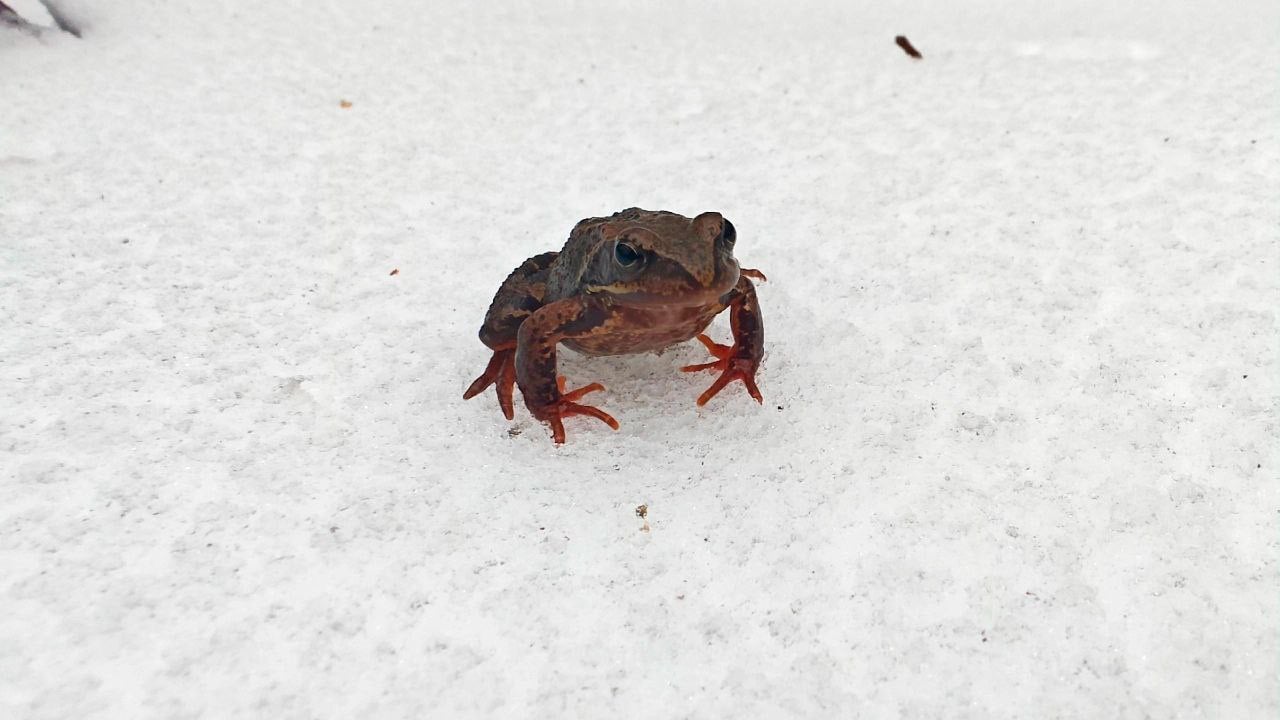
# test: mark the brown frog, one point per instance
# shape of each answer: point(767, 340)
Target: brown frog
point(637, 281)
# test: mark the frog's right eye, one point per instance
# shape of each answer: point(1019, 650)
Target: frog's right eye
point(729, 233)
point(626, 255)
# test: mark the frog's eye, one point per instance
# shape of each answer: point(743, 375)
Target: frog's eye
point(626, 255)
point(730, 233)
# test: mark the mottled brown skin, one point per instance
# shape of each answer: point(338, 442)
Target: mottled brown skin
point(636, 281)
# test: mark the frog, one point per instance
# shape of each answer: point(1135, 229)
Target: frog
point(633, 282)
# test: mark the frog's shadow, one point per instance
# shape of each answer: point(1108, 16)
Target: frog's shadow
point(648, 393)
point(640, 379)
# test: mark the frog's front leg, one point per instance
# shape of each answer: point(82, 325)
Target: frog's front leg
point(740, 360)
point(535, 361)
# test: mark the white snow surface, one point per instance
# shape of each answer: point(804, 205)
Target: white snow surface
point(1018, 451)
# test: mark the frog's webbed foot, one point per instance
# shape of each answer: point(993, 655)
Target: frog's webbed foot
point(751, 273)
point(566, 406)
point(740, 360)
point(732, 366)
point(501, 371)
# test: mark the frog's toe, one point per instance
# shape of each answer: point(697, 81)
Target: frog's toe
point(501, 371)
point(731, 368)
point(721, 352)
point(565, 407)
point(506, 389)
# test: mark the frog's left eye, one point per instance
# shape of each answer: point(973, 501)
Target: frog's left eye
point(626, 255)
point(730, 233)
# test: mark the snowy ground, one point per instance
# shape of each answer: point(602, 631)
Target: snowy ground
point(1019, 447)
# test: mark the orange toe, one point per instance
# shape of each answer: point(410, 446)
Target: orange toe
point(567, 406)
point(501, 371)
point(733, 371)
point(730, 368)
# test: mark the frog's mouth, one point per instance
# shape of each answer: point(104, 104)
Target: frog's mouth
point(676, 291)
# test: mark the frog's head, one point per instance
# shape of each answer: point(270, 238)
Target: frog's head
point(663, 259)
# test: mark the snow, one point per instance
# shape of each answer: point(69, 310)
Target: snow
point(1018, 451)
